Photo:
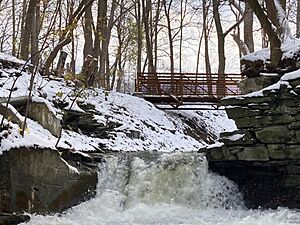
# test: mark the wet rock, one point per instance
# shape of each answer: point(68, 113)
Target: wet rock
point(294, 151)
point(246, 122)
point(240, 112)
point(13, 219)
point(277, 120)
point(39, 180)
point(254, 153)
point(263, 184)
point(294, 125)
point(278, 151)
point(229, 154)
point(274, 135)
point(214, 154)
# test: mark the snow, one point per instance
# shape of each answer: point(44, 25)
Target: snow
point(5, 57)
point(158, 130)
point(74, 107)
point(289, 47)
point(215, 145)
point(72, 169)
point(291, 76)
point(272, 87)
point(258, 55)
point(281, 15)
point(260, 93)
point(235, 137)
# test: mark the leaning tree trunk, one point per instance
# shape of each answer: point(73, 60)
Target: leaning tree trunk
point(67, 38)
point(275, 43)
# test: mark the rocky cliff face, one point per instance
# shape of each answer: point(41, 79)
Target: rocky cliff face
point(41, 181)
point(263, 155)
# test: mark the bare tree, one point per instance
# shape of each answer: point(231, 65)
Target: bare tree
point(221, 46)
point(275, 42)
point(67, 33)
point(248, 28)
point(298, 20)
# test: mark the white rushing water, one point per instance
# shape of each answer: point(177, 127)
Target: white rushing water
point(167, 189)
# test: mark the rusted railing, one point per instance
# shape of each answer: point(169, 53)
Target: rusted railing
point(204, 87)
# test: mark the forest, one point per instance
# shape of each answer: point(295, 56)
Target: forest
point(108, 42)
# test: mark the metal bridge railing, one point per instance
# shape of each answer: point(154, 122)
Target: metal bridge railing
point(191, 85)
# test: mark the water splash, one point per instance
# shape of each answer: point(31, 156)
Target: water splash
point(177, 178)
point(164, 189)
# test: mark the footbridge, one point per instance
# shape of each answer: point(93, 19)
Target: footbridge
point(186, 90)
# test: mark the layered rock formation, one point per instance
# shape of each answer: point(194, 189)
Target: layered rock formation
point(263, 155)
point(41, 181)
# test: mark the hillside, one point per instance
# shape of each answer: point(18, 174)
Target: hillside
point(105, 121)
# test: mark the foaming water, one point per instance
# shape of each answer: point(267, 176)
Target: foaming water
point(167, 189)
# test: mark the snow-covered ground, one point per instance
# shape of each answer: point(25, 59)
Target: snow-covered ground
point(290, 48)
point(159, 131)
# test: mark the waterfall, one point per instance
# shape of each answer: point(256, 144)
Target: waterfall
point(164, 189)
point(176, 178)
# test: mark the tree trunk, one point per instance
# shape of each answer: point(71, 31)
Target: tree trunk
point(248, 28)
point(88, 32)
point(35, 35)
point(206, 48)
point(67, 33)
point(283, 4)
point(25, 36)
point(139, 36)
point(272, 13)
point(182, 16)
point(298, 20)
point(275, 43)
point(221, 50)
point(102, 30)
point(169, 28)
point(61, 64)
point(146, 19)
point(14, 40)
point(156, 20)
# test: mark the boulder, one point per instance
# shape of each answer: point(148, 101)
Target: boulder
point(40, 112)
point(252, 84)
point(13, 219)
point(40, 181)
point(11, 114)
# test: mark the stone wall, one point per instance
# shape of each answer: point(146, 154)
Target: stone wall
point(263, 155)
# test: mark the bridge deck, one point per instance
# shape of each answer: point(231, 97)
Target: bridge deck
point(182, 88)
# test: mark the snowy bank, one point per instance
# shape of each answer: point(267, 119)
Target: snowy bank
point(138, 124)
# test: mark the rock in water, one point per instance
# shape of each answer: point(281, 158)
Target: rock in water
point(13, 219)
point(40, 181)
